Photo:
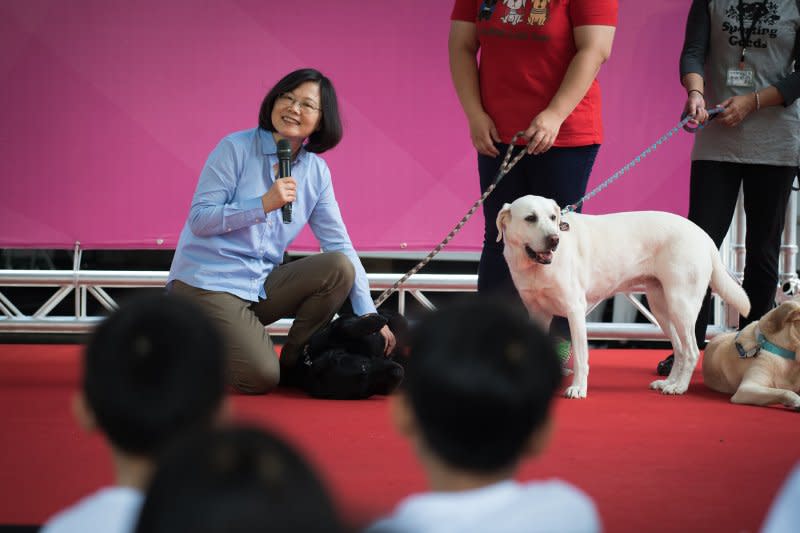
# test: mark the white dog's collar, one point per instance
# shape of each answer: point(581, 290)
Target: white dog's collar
point(762, 344)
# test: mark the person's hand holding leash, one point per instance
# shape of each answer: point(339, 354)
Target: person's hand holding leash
point(484, 134)
point(543, 131)
point(695, 107)
point(736, 109)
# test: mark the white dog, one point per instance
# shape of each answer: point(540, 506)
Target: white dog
point(758, 365)
point(669, 257)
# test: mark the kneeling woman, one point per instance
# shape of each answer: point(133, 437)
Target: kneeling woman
point(230, 251)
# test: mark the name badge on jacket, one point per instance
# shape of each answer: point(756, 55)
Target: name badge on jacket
point(741, 78)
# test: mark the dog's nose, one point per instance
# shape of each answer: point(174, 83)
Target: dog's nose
point(552, 241)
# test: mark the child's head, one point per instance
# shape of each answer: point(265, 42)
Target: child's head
point(153, 370)
point(479, 383)
point(236, 480)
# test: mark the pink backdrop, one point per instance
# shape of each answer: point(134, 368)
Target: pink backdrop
point(111, 107)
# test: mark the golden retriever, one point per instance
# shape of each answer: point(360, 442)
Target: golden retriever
point(758, 365)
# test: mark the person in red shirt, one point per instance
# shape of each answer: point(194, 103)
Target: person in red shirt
point(537, 69)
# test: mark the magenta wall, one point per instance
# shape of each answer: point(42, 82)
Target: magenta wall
point(110, 108)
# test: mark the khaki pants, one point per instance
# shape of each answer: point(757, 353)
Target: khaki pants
point(311, 289)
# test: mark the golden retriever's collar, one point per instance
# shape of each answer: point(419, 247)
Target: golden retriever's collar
point(762, 344)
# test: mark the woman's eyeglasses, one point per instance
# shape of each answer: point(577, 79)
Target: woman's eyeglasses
point(307, 107)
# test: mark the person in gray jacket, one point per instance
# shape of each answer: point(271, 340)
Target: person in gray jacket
point(744, 57)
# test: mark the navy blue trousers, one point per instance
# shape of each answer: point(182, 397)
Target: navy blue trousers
point(559, 173)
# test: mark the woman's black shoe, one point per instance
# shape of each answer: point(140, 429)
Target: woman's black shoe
point(665, 366)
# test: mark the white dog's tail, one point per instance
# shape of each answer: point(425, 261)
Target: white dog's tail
point(726, 286)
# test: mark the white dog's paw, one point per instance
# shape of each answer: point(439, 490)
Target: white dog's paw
point(671, 387)
point(575, 391)
point(667, 386)
point(792, 401)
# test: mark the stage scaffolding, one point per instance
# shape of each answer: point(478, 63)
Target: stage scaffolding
point(84, 285)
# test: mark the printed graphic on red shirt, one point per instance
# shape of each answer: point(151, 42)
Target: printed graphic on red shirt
point(515, 11)
point(538, 13)
point(526, 47)
point(513, 16)
point(487, 9)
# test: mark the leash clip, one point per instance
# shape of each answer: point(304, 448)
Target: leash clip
point(745, 353)
point(571, 208)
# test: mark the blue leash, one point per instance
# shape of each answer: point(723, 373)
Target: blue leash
point(506, 165)
point(684, 123)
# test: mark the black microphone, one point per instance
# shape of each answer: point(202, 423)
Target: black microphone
point(285, 170)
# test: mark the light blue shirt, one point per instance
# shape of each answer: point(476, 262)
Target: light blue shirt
point(229, 244)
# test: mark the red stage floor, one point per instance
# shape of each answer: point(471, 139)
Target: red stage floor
point(652, 463)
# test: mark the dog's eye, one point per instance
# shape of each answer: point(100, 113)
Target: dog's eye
point(553, 218)
point(531, 218)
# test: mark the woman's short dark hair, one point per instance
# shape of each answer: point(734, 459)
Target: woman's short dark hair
point(330, 127)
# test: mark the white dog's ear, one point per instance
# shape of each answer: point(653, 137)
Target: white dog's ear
point(502, 220)
point(562, 225)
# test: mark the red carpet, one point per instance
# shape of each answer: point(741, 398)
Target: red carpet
point(652, 463)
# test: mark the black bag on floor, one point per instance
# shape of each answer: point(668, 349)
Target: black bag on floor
point(344, 360)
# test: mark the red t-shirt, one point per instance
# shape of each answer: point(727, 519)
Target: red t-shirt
point(525, 49)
